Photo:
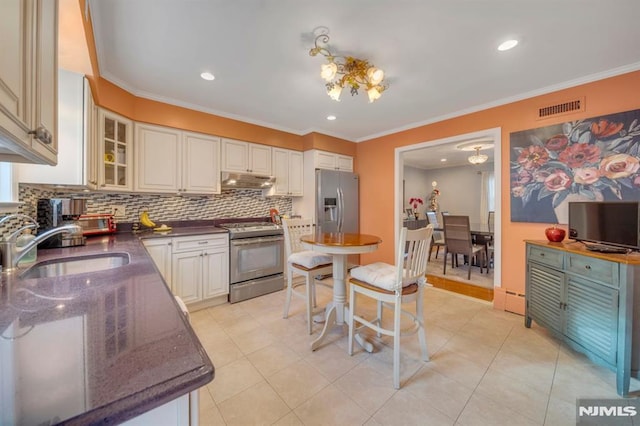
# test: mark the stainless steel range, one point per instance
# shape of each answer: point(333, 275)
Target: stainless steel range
point(256, 259)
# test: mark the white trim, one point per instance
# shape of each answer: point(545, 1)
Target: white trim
point(496, 135)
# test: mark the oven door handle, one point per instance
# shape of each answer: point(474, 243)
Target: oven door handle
point(252, 241)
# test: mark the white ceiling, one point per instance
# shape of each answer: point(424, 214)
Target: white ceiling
point(439, 57)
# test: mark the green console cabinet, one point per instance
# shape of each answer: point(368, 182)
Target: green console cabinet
point(589, 300)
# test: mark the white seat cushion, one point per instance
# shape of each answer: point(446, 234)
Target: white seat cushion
point(379, 274)
point(310, 259)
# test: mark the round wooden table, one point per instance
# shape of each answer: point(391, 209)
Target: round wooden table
point(339, 245)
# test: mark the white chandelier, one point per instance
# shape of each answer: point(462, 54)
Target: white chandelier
point(341, 71)
point(478, 158)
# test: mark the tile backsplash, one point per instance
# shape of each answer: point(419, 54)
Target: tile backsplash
point(234, 203)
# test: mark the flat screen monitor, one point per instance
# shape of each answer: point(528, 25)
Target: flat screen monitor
point(607, 222)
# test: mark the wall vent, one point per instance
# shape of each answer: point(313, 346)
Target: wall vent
point(567, 107)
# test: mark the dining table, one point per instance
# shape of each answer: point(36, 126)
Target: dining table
point(339, 246)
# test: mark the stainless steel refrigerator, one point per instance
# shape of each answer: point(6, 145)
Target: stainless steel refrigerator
point(336, 201)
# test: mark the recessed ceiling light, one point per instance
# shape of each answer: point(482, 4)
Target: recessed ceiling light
point(506, 45)
point(207, 76)
point(331, 117)
point(443, 160)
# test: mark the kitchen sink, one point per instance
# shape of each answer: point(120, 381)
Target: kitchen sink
point(76, 265)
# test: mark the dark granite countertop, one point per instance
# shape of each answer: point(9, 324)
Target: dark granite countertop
point(99, 347)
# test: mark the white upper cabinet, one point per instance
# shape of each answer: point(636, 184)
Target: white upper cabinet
point(158, 156)
point(200, 163)
point(169, 160)
point(287, 168)
point(245, 157)
point(77, 165)
point(332, 161)
point(28, 81)
point(115, 152)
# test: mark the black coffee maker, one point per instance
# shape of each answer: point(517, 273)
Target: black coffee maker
point(55, 212)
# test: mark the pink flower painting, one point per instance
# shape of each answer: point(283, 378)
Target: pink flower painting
point(595, 159)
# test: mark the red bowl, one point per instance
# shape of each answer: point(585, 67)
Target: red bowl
point(555, 235)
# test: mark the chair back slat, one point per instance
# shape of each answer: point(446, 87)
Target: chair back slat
point(293, 230)
point(413, 254)
point(432, 218)
point(457, 234)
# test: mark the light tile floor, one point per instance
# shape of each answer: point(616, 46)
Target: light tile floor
point(486, 368)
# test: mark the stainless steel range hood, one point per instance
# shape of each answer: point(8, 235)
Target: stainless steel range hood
point(246, 181)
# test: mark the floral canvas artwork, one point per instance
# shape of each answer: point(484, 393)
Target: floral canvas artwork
point(593, 159)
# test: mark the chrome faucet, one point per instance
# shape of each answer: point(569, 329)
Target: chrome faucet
point(11, 254)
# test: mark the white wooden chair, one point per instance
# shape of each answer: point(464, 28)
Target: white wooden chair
point(303, 262)
point(391, 286)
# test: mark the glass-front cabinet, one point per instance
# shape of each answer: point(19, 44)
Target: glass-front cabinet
point(115, 136)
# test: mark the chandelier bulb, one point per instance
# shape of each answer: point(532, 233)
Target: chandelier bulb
point(328, 71)
point(334, 92)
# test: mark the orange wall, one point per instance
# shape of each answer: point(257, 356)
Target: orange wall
point(376, 162)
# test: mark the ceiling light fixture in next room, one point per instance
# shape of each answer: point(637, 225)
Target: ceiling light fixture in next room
point(207, 76)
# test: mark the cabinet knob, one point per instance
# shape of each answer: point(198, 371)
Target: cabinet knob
point(541, 254)
point(43, 135)
point(587, 267)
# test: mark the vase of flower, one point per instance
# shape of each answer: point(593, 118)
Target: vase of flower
point(413, 202)
point(561, 209)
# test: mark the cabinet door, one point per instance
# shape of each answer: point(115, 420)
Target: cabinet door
point(259, 159)
point(544, 296)
point(344, 163)
point(324, 160)
point(235, 156)
point(14, 26)
point(187, 275)
point(116, 151)
point(296, 174)
point(45, 79)
point(215, 273)
point(200, 164)
point(158, 156)
point(592, 317)
point(280, 170)
point(160, 251)
point(90, 137)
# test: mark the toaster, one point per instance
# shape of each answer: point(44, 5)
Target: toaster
point(96, 224)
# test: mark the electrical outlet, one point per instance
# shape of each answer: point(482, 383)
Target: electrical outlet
point(117, 210)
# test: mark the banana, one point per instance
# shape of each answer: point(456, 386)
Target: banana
point(144, 219)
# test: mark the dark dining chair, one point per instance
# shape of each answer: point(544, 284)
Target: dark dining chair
point(457, 239)
point(437, 238)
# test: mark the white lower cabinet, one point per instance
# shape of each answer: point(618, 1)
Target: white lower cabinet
point(195, 267)
point(176, 412)
point(160, 251)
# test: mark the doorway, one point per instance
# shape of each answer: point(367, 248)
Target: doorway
point(493, 135)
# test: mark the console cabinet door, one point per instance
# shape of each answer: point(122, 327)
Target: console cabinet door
point(591, 314)
point(545, 288)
